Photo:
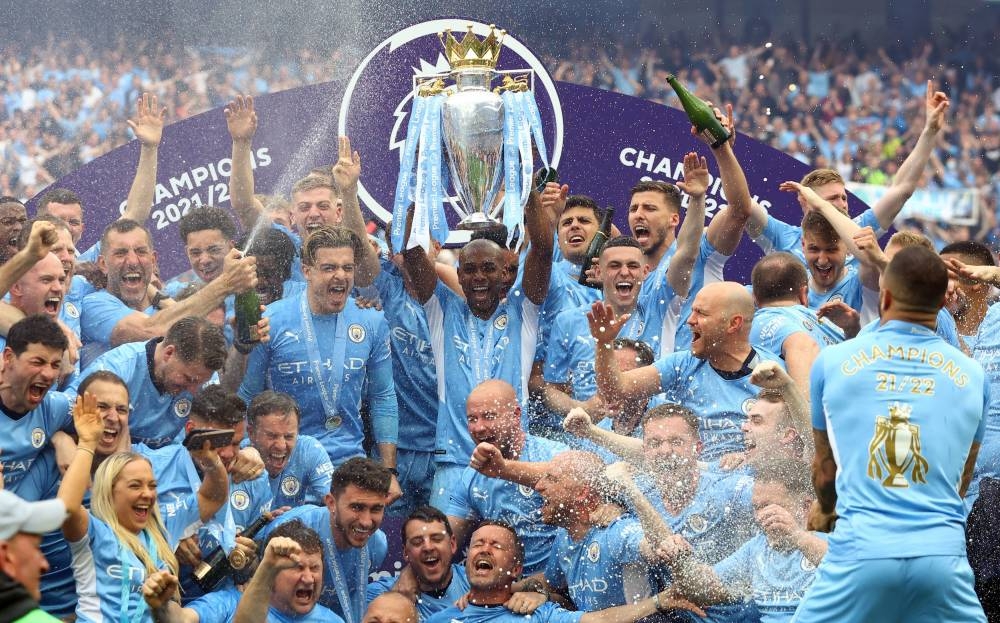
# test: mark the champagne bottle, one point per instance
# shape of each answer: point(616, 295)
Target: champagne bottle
point(596, 244)
point(247, 316)
point(217, 565)
point(700, 114)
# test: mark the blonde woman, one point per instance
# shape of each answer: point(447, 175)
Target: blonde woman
point(121, 539)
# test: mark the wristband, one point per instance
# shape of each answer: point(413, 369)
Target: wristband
point(656, 604)
point(87, 450)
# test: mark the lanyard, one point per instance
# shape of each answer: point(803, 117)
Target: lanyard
point(328, 395)
point(481, 352)
point(140, 609)
point(351, 608)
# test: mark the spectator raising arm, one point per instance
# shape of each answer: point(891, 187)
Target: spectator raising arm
point(908, 176)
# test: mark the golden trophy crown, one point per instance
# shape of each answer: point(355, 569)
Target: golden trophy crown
point(472, 51)
point(899, 412)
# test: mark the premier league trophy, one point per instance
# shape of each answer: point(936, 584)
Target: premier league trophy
point(487, 132)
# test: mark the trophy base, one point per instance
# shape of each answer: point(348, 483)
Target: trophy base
point(477, 221)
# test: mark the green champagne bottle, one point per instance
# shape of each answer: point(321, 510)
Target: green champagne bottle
point(596, 246)
point(247, 316)
point(701, 116)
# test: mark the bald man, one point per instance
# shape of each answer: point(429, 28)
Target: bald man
point(712, 379)
point(590, 555)
point(391, 608)
point(493, 414)
point(907, 413)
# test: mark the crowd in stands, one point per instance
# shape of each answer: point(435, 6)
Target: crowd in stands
point(847, 107)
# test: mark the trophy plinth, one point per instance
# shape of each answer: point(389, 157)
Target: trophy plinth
point(479, 221)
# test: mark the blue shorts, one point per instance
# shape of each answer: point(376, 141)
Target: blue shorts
point(445, 479)
point(928, 588)
point(416, 473)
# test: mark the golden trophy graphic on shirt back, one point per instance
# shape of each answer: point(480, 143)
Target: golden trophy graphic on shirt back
point(895, 449)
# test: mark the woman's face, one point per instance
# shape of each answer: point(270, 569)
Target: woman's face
point(134, 494)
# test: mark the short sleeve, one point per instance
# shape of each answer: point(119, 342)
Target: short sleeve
point(459, 502)
point(779, 236)
point(816, 393)
point(671, 369)
point(100, 312)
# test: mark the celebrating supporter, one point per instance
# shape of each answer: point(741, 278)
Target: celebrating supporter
point(774, 568)
point(493, 564)
point(430, 578)
point(489, 336)
point(32, 413)
point(126, 311)
point(782, 323)
point(398, 378)
point(872, 550)
point(494, 417)
point(186, 496)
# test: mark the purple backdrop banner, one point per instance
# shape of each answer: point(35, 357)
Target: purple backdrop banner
point(602, 143)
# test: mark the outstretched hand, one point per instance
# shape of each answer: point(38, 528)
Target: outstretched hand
point(241, 118)
point(87, 420)
point(696, 176)
point(347, 171)
point(937, 103)
point(147, 124)
point(604, 326)
point(726, 121)
point(807, 196)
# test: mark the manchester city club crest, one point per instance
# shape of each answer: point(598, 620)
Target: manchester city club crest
point(290, 485)
point(182, 407)
point(805, 565)
point(356, 332)
point(240, 500)
point(501, 322)
point(382, 88)
point(71, 309)
point(37, 437)
point(697, 523)
point(594, 552)
point(525, 490)
point(747, 405)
